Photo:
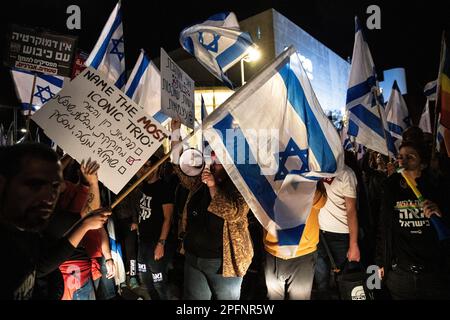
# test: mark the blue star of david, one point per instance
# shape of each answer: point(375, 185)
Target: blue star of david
point(42, 90)
point(115, 48)
point(213, 45)
point(292, 150)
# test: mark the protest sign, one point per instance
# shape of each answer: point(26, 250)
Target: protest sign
point(90, 117)
point(43, 52)
point(177, 92)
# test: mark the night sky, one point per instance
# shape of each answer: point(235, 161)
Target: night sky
point(409, 37)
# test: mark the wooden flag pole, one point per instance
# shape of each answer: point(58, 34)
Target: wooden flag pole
point(152, 169)
point(142, 178)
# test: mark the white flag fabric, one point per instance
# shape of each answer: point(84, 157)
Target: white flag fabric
point(45, 88)
point(275, 142)
point(144, 87)
point(217, 43)
point(425, 122)
point(365, 123)
point(398, 117)
point(430, 90)
point(108, 55)
point(116, 253)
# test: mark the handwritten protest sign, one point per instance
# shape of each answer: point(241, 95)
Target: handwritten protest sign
point(177, 91)
point(90, 117)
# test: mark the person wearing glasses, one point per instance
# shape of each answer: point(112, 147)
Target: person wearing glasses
point(411, 258)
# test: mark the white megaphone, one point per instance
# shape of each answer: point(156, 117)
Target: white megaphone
point(192, 162)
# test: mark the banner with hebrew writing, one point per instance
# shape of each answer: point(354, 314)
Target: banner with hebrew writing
point(37, 51)
point(90, 117)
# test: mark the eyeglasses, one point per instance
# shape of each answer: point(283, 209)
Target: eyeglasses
point(406, 156)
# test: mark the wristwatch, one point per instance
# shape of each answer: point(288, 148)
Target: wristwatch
point(162, 241)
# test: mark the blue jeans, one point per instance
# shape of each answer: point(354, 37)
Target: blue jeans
point(203, 280)
point(338, 243)
point(86, 292)
point(105, 289)
point(153, 273)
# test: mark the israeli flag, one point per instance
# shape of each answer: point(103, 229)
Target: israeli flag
point(398, 117)
point(425, 121)
point(217, 43)
point(116, 253)
point(144, 87)
point(275, 142)
point(365, 123)
point(45, 88)
point(108, 55)
point(430, 90)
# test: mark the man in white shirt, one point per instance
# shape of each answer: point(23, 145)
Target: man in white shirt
point(338, 223)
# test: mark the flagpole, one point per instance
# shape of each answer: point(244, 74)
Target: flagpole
point(436, 105)
point(15, 124)
point(152, 169)
point(375, 92)
point(30, 108)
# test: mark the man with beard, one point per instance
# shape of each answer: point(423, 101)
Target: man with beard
point(30, 184)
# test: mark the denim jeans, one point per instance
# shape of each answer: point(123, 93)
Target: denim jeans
point(338, 243)
point(153, 273)
point(203, 280)
point(105, 289)
point(86, 292)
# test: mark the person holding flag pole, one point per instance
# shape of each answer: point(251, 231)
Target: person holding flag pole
point(410, 251)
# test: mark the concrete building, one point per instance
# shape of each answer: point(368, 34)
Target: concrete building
point(273, 32)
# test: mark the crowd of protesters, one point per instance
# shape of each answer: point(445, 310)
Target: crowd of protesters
point(195, 238)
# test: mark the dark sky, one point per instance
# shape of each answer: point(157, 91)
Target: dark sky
point(409, 36)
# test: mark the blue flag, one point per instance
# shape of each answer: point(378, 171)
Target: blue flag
point(365, 122)
point(144, 87)
point(398, 116)
point(275, 142)
point(45, 88)
point(108, 55)
point(217, 43)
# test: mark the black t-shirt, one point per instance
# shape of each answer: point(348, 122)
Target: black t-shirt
point(151, 216)
point(414, 237)
point(204, 231)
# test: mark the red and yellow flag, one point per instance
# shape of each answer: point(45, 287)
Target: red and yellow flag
point(444, 84)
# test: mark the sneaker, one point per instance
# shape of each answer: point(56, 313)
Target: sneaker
point(133, 284)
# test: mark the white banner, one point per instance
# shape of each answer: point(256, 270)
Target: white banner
point(177, 91)
point(90, 117)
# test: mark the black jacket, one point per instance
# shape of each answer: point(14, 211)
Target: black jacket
point(436, 190)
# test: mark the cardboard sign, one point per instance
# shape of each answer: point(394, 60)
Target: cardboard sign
point(42, 52)
point(177, 92)
point(90, 117)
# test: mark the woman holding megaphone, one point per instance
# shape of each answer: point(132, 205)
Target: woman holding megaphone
point(216, 242)
point(410, 254)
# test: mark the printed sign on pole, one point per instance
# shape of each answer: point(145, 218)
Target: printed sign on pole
point(91, 118)
point(43, 52)
point(177, 91)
